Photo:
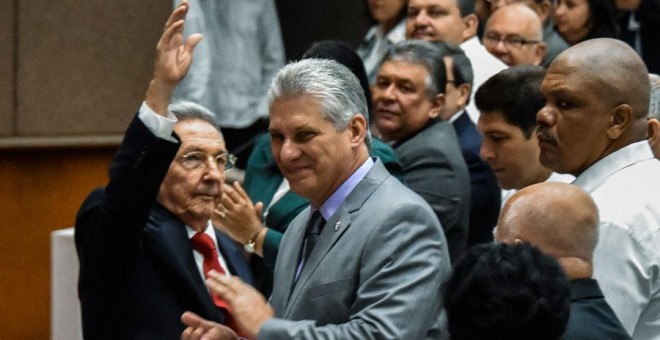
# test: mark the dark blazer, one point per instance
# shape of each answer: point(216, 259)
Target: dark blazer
point(262, 178)
point(376, 271)
point(434, 168)
point(137, 270)
point(591, 317)
point(485, 195)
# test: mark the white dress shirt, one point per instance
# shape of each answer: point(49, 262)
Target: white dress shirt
point(626, 188)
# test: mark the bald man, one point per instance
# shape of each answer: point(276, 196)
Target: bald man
point(594, 127)
point(562, 221)
point(654, 115)
point(514, 34)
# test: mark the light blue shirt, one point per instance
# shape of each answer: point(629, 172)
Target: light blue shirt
point(330, 206)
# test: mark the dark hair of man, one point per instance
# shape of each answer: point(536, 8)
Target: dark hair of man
point(461, 65)
point(502, 291)
point(516, 94)
point(466, 7)
point(420, 52)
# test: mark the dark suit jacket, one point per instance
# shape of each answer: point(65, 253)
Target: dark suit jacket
point(434, 168)
point(262, 178)
point(375, 273)
point(485, 195)
point(591, 317)
point(137, 270)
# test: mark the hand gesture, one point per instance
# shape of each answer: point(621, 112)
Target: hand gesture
point(173, 59)
point(237, 215)
point(202, 329)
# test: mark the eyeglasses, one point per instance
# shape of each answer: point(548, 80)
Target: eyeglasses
point(509, 41)
point(198, 159)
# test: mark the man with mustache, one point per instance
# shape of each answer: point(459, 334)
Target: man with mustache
point(593, 126)
point(145, 241)
point(453, 21)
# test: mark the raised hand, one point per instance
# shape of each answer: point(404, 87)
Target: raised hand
point(173, 60)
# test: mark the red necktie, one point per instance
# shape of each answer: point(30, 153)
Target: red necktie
point(204, 244)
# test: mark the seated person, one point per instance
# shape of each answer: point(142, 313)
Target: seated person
point(506, 292)
point(562, 221)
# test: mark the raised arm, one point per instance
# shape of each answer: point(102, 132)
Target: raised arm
point(173, 59)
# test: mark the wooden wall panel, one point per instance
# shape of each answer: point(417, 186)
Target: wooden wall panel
point(83, 66)
point(7, 25)
point(41, 192)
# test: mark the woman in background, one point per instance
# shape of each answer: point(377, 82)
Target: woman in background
point(579, 20)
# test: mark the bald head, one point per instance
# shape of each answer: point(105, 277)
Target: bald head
point(596, 98)
point(515, 21)
point(614, 67)
point(558, 218)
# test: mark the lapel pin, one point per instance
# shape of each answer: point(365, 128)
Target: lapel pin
point(337, 225)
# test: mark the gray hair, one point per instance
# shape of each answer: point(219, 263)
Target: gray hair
point(422, 53)
point(185, 110)
point(332, 83)
point(654, 103)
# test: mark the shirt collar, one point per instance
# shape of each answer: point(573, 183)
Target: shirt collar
point(330, 206)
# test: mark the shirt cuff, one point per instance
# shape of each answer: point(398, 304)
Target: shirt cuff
point(160, 126)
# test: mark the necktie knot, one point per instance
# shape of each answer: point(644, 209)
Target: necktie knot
point(204, 244)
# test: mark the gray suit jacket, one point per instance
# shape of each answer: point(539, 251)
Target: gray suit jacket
point(434, 168)
point(376, 271)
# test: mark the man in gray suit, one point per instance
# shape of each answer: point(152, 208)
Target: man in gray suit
point(408, 96)
point(375, 267)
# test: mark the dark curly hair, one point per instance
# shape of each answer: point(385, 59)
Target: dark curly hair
point(501, 291)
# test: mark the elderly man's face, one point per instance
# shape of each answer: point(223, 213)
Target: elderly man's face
point(513, 35)
point(314, 157)
point(193, 182)
point(401, 102)
point(435, 20)
point(573, 123)
point(512, 156)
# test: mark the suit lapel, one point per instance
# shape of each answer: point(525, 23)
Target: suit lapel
point(333, 230)
point(167, 238)
point(234, 258)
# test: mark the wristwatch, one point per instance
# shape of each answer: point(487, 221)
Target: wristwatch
point(249, 245)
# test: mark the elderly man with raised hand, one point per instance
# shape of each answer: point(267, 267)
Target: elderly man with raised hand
point(514, 34)
point(455, 22)
point(367, 260)
point(562, 221)
point(593, 126)
point(145, 241)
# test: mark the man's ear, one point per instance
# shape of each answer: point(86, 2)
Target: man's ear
point(620, 117)
point(654, 129)
point(471, 23)
point(539, 53)
point(438, 104)
point(465, 90)
point(358, 128)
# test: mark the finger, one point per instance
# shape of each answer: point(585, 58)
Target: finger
point(259, 209)
point(191, 319)
point(192, 41)
point(168, 37)
point(178, 14)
